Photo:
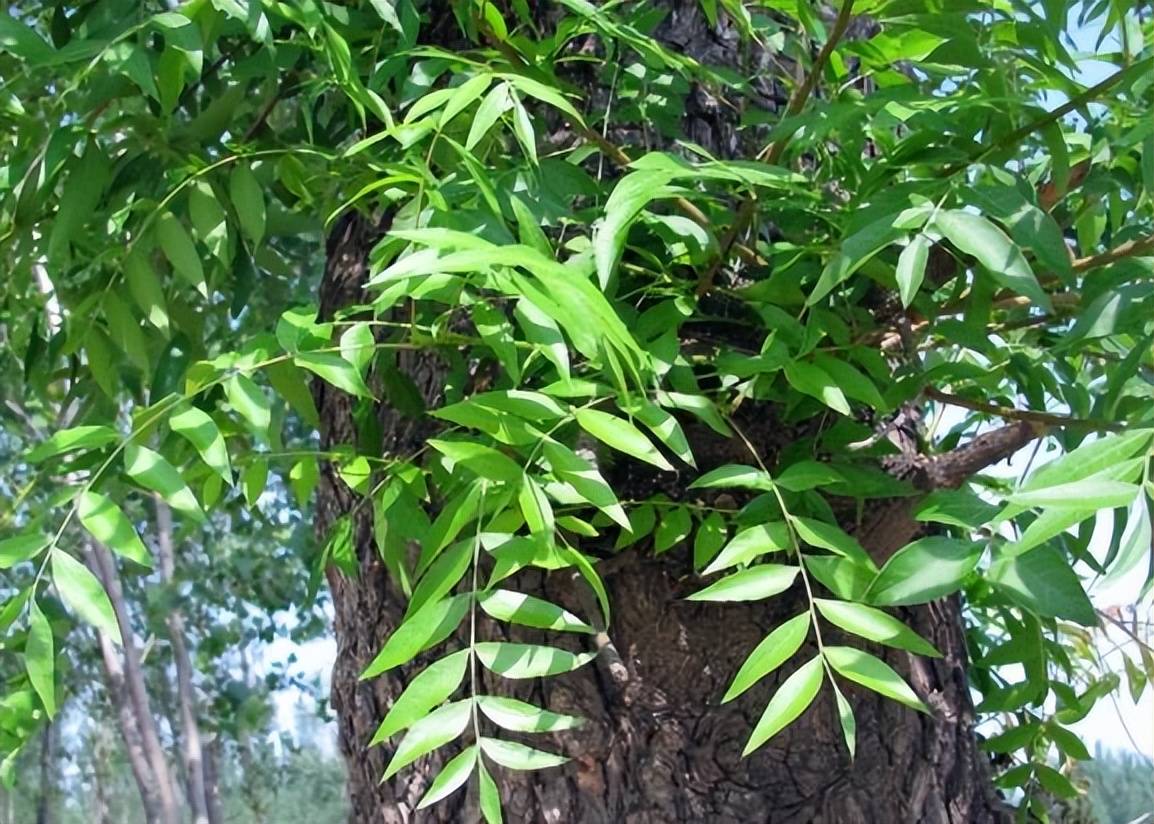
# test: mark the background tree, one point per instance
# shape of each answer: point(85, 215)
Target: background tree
point(630, 362)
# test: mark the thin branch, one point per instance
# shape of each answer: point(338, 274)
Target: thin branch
point(1131, 248)
point(1009, 413)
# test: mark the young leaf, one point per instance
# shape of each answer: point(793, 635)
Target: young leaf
point(791, 699)
point(751, 543)
point(774, 650)
point(530, 611)
point(516, 756)
point(872, 673)
point(753, 584)
point(511, 714)
point(40, 658)
point(107, 524)
point(875, 625)
point(451, 777)
point(927, 569)
point(432, 685)
point(847, 721)
point(528, 660)
point(434, 730)
point(622, 436)
point(152, 471)
point(83, 593)
point(425, 628)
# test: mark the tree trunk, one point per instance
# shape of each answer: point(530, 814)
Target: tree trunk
point(658, 746)
point(49, 769)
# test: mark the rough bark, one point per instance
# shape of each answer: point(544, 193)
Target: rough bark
point(658, 746)
point(191, 747)
point(48, 791)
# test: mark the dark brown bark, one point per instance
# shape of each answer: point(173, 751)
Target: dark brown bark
point(658, 746)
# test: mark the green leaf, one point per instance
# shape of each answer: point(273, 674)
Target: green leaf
point(40, 658)
point(911, 269)
point(152, 471)
point(83, 593)
point(792, 698)
point(178, 247)
point(1134, 546)
point(250, 402)
point(927, 569)
point(805, 475)
point(873, 674)
point(107, 524)
point(489, 797)
point(427, 627)
point(977, 236)
point(854, 253)
point(827, 536)
point(511, 714)
point(201, 431)
point(334, 370)
point(847, 721)
point(530, 611)
point(145, 288)
point(774, 650)
point(673, 528)
point(1091, 458)
point(662, 424)
point(628, 198)
point(814, 381)
point(711, 535)
point(495, 104)
point(78, 437)
point(431, 687)
point(543, 331)
point(734, 475)
point(751, 584)
point(535, 507)
point(1092, 493)
point(514, 756)
point(483, 460)
point(1042, 581)
point(248, 199)
point(622, 436)
point(528, 660)
point(434, 730)
point(874, 625)
point(20, 548)
point(751, 543)
point(463, 97)
point(523, 129)
point(955, 507)
point(451, 777)
point(571, 468)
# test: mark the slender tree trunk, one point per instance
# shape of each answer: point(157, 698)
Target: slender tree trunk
point(658, 746)
point(212, 756)
point(192, 749)
point(135, 689)
point(47, 791)
point(101, 753)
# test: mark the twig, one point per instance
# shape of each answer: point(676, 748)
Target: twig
point(773, 151)
point(1131, 248)
point(1009, 413)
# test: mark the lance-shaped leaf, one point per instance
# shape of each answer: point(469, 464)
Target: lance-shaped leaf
point(83, 593)
point(511, 714)
point(200, 430)
point(734, 475)
point(574, 470)
point(977, 236)
point(530, 611)
point(40, 658)
point(334, 370)
point(483, 460)
point(107, 524)
point(529, 660)
point(67, 440)
point(622, 436)
point(762, 581)
point(791, 699)
point(812, 380)
point(751, 543)
point(923, 571)
point(426, 627)
point(516, 756)
point(434, 730)
point(774, 650)
point(911, 269)
point(1042, 581)
point(152, 471)
point(451, 777)
point(875, 625)
point(872, 673)
point(488, 796)
point(432, 686)
point(827, 536)
point(250, 402)
point(21, 547)
point(847, 721)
